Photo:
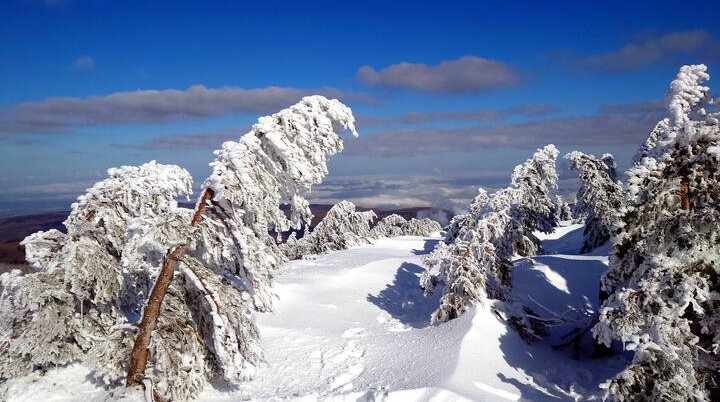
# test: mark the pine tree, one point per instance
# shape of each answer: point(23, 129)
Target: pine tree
point(599, 196)
point(663, 282)
point(564, 212)
point(474, 262)
point(341, 228)
point(395, 225)
point(192, 277)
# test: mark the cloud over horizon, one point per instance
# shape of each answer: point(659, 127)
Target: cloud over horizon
point(635, 56)
point(527, 110)
point(467, 74)
point(592, 130)
point(655, 105)
point(60, 115)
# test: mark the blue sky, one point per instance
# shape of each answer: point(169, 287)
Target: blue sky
point(449, 96)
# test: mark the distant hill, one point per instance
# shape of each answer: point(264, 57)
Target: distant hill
point(16, 228)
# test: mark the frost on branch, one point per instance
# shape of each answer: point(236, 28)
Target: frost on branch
point(281, 158)
point(474, 262)
point(97, 278)
point(421, 227)
point(598, 198)
point(395, 225)
point(75, 307)
point(341, 228)
point(664, 277)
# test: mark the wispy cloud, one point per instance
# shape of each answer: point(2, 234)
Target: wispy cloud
point(466, 74)
point(606, 130)
point(84, 63)
point(57, 115)
point(197, 140)
point(528, 110)
point(655, 105)
point(390, 191)
point(635, 56)
point(51, 190)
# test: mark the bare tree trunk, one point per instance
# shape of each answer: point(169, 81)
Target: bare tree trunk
point(685, 192)
point(139, 354)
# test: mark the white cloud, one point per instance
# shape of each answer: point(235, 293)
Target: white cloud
point(55, 115)
point(466, 74)
point(84, 63)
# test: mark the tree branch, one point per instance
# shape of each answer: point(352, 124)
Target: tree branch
point(139, 354)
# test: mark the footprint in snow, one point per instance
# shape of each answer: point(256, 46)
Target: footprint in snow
point(354, 332)
point(344, 380)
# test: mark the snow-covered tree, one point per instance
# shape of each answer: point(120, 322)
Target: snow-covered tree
point(341, 228)
point(199, 275)
point(467, 219)
point(564, 212)
point(664, 277)
point(598, 198)
point(395, 225)
point(389, 226)
point(421, 227)
point(76, 306)
point(474, 262)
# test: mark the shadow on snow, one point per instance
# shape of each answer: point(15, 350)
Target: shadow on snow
point(566, 289)
point(403, 299)
point(428, 247)
point(570, 243)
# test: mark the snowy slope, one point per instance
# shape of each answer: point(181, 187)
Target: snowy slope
point(354, 325)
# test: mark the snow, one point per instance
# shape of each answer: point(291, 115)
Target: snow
point(353, 325)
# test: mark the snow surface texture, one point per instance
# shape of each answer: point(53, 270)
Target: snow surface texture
point(353, 325)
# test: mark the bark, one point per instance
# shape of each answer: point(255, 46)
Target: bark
point(685, 192)
point(139, 354)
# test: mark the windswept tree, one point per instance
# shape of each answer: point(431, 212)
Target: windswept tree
point(664, 277)
point(475, 262)
point(395, 225)
point(598, 198)
point(341, 228)
point(185, 281)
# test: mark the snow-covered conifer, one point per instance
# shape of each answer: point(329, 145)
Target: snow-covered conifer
point(598, 198)
point(395, 225)
point(564, 212)
point(389, 226)
point(85, 276)
point(475, 262)
point(467, 219)
point(127, 230)
point(421, 227)
point(341, 228)
point(664, 277)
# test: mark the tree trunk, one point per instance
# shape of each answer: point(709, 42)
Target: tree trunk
point(139, 354)
point(685, 192)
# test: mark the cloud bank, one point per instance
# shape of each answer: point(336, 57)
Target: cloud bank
point(594, 130)
point(635, 56)
point(59, 115)
point(465, 75)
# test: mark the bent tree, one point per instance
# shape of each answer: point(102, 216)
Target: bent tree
point(186, 281)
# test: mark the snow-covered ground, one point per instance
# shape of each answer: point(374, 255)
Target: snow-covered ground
point(354, 326)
